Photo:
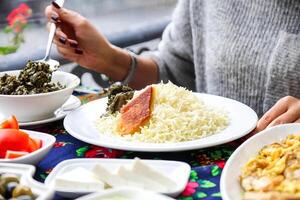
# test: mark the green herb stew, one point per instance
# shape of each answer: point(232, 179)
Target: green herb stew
point(35, 78)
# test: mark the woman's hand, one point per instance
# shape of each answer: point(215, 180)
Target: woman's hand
point(79, 41)
point(286, 110)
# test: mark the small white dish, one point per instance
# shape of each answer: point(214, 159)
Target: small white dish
point(72, 103)
point(126, 194)
point(179, 172)
point(34, 157)
point(26, 173)
point(229, 184)
point(35, 107)
point(81, 124)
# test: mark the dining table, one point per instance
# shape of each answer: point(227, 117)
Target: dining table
point(206, 164)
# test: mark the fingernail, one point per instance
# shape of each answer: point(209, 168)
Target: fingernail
point(55, 5)
point(78, 51)
point(62, 40)
point(73, 44)
point(54, 17)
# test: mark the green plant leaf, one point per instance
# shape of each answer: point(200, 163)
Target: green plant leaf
point(201, 195)
point(8, 49)
point(206, 184)
point(215, 170)
point(7, 29)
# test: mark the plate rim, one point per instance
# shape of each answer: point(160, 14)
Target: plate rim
point(106, 193)
point(157, 148)
point(48, 120)
point(261, 134)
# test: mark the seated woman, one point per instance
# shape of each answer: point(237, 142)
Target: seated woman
point(245, 50)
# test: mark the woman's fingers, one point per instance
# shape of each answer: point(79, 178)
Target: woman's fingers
point(51, 14)
point(69, 54)
point(48, 12)
point(279, 108)
point(288, 117)
point(286, 110)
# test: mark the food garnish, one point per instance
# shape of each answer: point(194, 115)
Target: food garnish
point(118, 95)
point(10, 188)
point(275, 172)
point(35, 78)
point(15, 143)
point(135, 113)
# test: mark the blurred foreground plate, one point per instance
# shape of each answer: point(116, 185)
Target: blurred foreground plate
point(125, 194)
point(230, 184)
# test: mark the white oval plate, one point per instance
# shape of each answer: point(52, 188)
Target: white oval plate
point(229, 184)
point(26, 172)
point(80, 123)
point(72, 103)
point(179, 172)
point(34, 157)
point(125, 193)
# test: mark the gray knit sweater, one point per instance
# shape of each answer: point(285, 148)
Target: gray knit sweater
point(248, 50)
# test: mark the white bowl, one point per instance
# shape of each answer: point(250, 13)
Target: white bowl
point(26, 172)
point(35, 107)
point(230, 184)
point(34, 157)
point(125, 193)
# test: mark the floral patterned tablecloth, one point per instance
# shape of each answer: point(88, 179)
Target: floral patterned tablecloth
point(207, 164)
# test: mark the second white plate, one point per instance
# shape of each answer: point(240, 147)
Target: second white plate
point(230, 184)
point(81, 124)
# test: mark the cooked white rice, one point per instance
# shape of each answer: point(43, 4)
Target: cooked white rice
point(177, 116)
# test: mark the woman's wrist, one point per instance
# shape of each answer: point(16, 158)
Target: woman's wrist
point(118, 63)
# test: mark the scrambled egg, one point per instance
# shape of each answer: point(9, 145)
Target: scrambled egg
point(275, 172)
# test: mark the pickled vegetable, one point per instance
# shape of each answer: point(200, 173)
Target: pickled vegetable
point(10, 188)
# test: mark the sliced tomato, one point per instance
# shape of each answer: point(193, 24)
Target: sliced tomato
point(10, 123)
point(38, 142)
point(14, 140)
point(15, 154)
point(34, 144)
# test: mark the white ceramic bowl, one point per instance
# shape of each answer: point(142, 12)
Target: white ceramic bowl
point(230, 184)
point(26, 173)
point(36, 156)
point(125, 193)
point(35, 107)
